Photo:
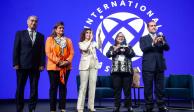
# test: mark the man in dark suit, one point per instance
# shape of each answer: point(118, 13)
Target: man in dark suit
point(28, 61)
point(153, 66)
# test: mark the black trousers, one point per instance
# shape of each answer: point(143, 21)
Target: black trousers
point(155, 79)
point(54, 77)
point(122, 81)
point(22, 76)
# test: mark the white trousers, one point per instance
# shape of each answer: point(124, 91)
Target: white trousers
point(86, 76)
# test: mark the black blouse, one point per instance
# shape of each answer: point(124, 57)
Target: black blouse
point(121, 59)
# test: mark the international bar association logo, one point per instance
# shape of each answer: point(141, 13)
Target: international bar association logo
point(124, 16)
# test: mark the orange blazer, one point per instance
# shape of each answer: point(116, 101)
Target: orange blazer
point(54, 57)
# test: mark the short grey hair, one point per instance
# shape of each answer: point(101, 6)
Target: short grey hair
point(32, 16)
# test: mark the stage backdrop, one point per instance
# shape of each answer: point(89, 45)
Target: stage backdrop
point(174, 19)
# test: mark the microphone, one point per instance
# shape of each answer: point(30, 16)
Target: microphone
point(160, 34)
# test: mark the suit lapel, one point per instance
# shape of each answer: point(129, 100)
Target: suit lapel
point(28, 36)
point(150, 38)
point(36, 39)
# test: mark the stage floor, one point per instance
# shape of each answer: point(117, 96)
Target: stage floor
point(43, 106)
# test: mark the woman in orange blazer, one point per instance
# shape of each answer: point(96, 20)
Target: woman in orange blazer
point(60, 52)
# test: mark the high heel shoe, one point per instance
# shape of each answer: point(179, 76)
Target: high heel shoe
point(92, 110)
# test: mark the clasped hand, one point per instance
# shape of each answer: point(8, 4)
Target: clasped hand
point(119, 48)
point(158, 40)
point(63, 63)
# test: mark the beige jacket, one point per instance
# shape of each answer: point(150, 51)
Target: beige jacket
point(88, 49)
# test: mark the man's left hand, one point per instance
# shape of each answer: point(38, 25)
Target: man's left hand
point(41, 68)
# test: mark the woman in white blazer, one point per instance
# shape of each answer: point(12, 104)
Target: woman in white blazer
point(88, 68)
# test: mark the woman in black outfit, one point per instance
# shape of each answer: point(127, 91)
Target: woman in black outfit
point(121, 72)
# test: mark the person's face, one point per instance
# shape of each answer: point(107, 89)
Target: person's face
point(120, 38)
point(152, 27)
point(88, 34)
point(32, 23)
point(59, 30)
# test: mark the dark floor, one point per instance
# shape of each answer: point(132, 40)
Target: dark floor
point(43, 106)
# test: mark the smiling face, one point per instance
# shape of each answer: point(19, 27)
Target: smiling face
point(88, 34)
point(120, 38)
point(32, 22)
point(59, 30)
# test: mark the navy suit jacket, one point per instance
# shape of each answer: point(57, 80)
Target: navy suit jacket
point(27, 55)
point(153, 59)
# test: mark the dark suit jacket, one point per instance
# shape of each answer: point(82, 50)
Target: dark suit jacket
point(27, 55)
point(153, 59)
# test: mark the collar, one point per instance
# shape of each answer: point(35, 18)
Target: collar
point(152, 35)
point(29, 30)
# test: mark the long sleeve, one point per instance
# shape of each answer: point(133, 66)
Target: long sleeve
point(84, 45)
point(99, 45)
point(51, 56)
point(16, 49)
point(165, 46)
point(110, 52)
point(145, 45)
point(129, 52)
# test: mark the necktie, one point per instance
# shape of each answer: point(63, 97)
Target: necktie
point(31, 34)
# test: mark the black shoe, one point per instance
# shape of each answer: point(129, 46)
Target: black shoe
point(126, 104)
point(148, 110)
point(116, 109)
point(163, 109)
point(19, 110)
point(130, 109)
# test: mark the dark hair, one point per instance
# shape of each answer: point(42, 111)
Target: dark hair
point(82, 35)
point(148, 23)
point(117, 37)
point(54, 34)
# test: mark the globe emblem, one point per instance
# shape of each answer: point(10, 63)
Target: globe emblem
point(132, 26)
